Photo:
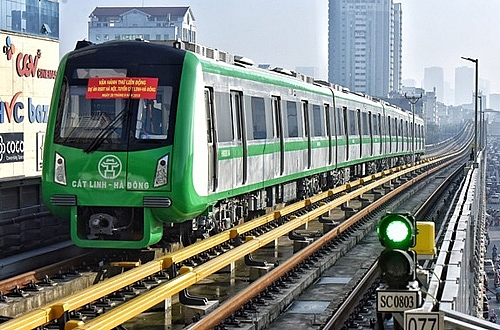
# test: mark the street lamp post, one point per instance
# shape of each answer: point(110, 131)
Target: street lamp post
point(413, 100)
point(476, 61)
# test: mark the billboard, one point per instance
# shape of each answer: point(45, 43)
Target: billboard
point(28, 67)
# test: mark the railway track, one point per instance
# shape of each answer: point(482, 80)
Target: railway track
point(242, 241)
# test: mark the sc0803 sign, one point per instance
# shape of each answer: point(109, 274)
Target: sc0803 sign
point(397, 301)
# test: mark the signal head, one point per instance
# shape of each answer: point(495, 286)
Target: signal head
point(397, 267)
point(397, 231)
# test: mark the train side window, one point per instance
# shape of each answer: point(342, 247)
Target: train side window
point(353, 123)
point(237, 112)
point(401, 130)
point(258, 118)
point(365, 125)
point(305, 115)
point(317, 121)
point(389, 132)
point(276, 106)
point(339, 128)
point(223, 118)
point(292, 121)
point(345, 121)
point(330, 119)
point(369, 129)
point(209, 108)
point(375, 123)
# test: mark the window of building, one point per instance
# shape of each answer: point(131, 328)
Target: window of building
point(30, 17)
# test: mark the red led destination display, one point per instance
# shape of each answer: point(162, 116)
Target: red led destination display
point(122, 88)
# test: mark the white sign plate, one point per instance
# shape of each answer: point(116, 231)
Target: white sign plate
point(420, 320)
point(397, 301)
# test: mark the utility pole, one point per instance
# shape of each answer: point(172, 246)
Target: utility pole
point(476, 62)
point(413, 99)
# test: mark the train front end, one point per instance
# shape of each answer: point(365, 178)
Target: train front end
point(108, 151)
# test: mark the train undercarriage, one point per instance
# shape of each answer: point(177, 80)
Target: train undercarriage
point(233, 211)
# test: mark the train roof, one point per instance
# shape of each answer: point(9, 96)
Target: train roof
point(216, 57)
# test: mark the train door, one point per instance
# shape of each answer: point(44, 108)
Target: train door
point(330, 121)
point(353, 133)
point(378, 131)
point(211, 140)
point(397, 133)
point(307, 131)
point(347, 133)
point(359, 123)
point(389, 133)
point(403, 136)
point(370, 131)
point(278, 122)
point(241, 164)
point(407, 135)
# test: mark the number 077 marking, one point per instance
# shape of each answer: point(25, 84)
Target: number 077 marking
point(415, 320)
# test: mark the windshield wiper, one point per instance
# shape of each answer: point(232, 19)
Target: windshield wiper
point(105, 132)
point(109, 128)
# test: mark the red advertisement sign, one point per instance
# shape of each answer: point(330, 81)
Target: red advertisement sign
point(122, 88)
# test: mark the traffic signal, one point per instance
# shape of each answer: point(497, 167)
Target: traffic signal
point(397, 263)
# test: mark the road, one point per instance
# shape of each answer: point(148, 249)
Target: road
point(494, 235)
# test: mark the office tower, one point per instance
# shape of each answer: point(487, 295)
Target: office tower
point(464, 85)
point(434, 78)
point(365, 45)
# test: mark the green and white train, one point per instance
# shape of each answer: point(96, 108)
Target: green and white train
point(148, 142)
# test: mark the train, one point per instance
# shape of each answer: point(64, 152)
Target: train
point(150, 143)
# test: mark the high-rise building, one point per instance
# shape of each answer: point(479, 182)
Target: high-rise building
point(364, 45)
point(464, 85)
point(147, 23)
point(494, 101)
point(434, 78)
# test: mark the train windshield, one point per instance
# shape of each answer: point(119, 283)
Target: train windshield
point(109, 109)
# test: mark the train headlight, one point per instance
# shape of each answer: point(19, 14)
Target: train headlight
point(161, 175)
point(60, 169)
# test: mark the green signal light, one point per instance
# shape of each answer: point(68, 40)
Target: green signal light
point(397, 231)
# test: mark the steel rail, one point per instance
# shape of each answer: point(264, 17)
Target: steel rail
point(236, 302)
point(127, 310)
point(55, 310)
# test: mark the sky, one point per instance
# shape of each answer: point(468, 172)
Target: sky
point(294, 33)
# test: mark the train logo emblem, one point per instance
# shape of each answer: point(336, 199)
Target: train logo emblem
point(110, 167)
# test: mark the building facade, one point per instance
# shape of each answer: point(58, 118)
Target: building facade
point(29, 33)
point(30, 17)
point(464, 85)
point(364, 45)
point(147, 23)
point(434, 79)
